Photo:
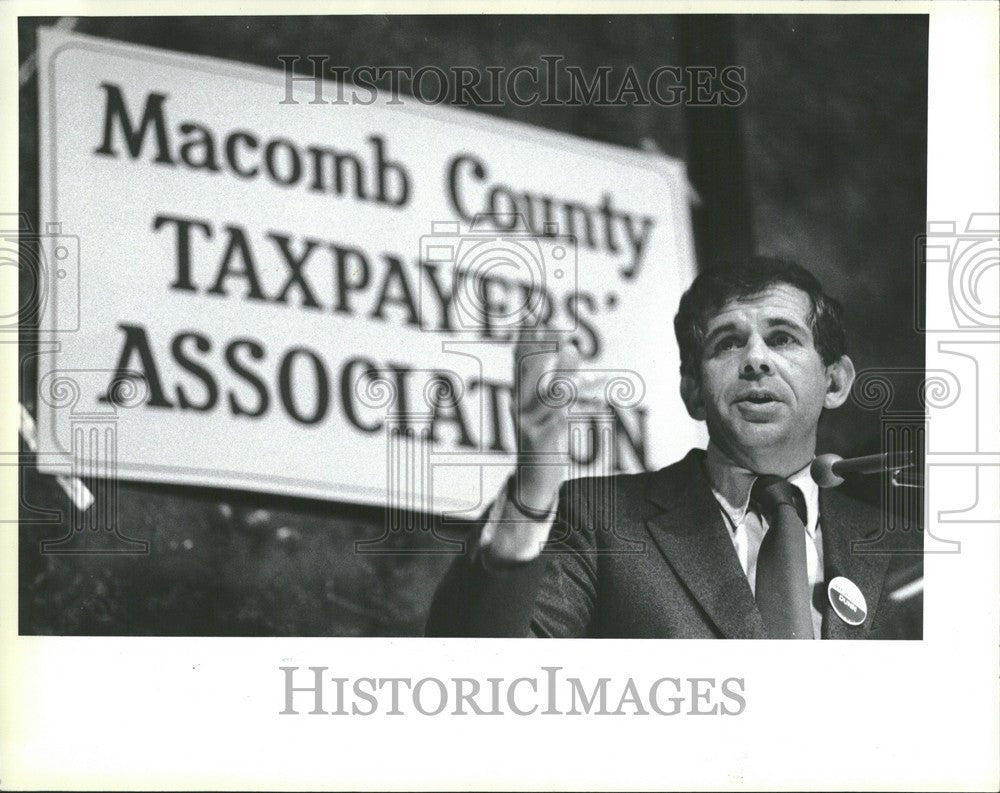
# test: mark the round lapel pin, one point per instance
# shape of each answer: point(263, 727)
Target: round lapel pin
point(847, 600)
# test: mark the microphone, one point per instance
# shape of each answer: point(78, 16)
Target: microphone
point(906, 583)
point(829, 470)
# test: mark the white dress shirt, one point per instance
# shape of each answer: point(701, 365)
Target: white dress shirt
point(731, 486)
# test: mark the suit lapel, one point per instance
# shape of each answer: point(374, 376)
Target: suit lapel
point(686, 524)
point(845, 522)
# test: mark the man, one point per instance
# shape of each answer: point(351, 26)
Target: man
point(735, 541)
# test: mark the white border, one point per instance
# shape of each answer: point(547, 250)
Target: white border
point(202, 713)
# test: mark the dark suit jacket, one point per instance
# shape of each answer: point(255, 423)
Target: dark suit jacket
point(648, 555)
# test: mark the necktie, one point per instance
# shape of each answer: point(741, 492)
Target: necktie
point(782, 586)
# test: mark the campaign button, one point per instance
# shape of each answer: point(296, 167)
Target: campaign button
point(847, 600)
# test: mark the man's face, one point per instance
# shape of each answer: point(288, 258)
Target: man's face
point(762, 382)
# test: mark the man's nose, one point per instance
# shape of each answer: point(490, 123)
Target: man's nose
point(756, 358)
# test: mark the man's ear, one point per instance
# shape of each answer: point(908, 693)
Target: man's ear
point(691, 394)
point(840, 375)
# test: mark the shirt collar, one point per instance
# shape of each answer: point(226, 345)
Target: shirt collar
point(731, 485)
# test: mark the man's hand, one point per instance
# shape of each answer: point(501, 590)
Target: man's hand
point(542, 426)
point(542, 430)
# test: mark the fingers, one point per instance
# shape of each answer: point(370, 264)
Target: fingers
point(540, 353)
point(536, 409)
point(535, 383)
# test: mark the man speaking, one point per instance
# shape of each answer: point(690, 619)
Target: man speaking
point(736, 541)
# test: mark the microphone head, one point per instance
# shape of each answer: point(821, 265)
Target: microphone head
point(822, 473)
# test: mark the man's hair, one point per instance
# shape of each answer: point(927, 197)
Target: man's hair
point(715, 287)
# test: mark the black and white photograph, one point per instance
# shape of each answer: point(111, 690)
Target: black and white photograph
point(348, 343)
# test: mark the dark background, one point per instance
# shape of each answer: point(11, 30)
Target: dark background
point(825, 163)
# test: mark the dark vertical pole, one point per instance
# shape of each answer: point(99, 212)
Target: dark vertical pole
point(723, 224)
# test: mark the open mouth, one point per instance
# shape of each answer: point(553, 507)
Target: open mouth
point(759, 398)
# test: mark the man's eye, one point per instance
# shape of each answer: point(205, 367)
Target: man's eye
point(728, 343)
point(782, 339)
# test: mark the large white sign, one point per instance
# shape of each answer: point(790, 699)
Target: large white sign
point(246, 291)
